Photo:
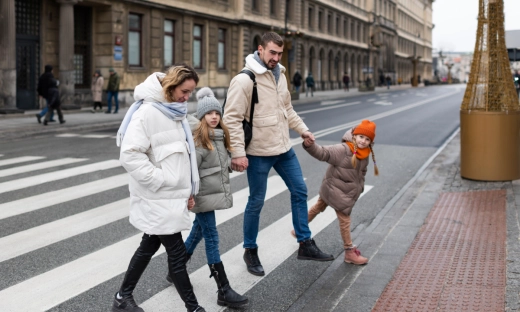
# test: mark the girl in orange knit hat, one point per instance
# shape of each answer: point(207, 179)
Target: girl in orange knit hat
point(344, 180)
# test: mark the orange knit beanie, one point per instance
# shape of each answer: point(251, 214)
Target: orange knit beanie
point(367, 128)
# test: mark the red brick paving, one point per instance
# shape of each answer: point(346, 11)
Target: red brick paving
point(457, 262)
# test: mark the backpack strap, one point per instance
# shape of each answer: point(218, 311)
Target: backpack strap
point(254, 96)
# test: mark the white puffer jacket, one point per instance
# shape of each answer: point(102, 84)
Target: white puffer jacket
point(155, 153)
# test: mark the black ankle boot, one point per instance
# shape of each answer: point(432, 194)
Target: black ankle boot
point(253, 262)
point(226, 295)
point(309, 251)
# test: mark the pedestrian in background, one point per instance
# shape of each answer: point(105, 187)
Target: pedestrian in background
point(310, 85)
point(344, 180)
point(97, 90)
point(45, 82)
point(163, 178)
point(388, 81)
point(297, 81)
point(54, 102)
point(270, 146)
point(212, 143)
point(346, 82)
point(112, 91)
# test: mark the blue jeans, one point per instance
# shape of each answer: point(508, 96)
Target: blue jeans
point(45, 110)
point(288, 167)
point(204, 226)
point(113, 94)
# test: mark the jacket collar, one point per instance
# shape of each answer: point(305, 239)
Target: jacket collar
point(252, 64)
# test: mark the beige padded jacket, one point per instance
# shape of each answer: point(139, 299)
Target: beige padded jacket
point(274, 113)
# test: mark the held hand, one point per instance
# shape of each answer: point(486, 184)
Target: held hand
point(239, 164)
point(308, 142)
point(191, 202)
point(308, 135)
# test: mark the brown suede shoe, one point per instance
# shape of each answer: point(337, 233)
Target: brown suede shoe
point(353, 255)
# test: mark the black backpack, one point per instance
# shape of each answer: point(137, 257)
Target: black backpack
point(248, 125)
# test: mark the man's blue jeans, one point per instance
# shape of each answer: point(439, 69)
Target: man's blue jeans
point(45, 110)
point(113, 94)
point(204, 226)
point(288, 167)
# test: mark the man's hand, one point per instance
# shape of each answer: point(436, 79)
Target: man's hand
point(308, 135)
point(239, 164)
point(308, 142)
point(191, 202)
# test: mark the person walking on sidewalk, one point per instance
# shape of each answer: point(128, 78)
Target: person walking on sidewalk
point(388, 81)
point(270, 146)
point(113, 91)
point(309, 81)
point(212, 143)
point(297, 81)
point(45, 82)
point(158, 151)
point(346, 81)
point(54, 103)
point(97, 90)
point(344, 180)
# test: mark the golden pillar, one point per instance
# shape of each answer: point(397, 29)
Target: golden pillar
point(490, 111)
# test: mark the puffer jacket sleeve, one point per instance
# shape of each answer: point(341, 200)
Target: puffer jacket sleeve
point(134, 159)
point(332, 154)
point(237, 104)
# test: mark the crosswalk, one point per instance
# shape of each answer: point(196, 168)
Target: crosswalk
point(108, 260)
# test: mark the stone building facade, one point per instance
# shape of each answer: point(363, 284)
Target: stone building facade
point(363, 38)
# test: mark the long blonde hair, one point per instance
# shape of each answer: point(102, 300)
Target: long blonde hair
point(175, 76)
point(202, 135)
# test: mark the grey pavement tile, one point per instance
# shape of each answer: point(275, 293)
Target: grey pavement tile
point(356, 302)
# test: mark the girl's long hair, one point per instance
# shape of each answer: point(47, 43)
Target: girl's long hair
point(203, 134)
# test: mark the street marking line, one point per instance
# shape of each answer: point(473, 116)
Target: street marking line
point(394, 111)
point(36, 202)
point(96, 136)
point(60, 284)
point(67, 135)
point(385, 103)
point(331, 102)
point(371, 100)
point(39, 166)
point(327, 108)
point(281, 245)
point(56, 175)
point(17, 160)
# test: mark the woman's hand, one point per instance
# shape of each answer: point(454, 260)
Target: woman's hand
point(191, 202)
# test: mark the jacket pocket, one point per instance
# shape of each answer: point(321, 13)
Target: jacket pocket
point(265, 121)
point(165, 150)
point(174, 161)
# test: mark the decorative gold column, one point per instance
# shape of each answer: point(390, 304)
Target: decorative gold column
point(66, 53)
point(8, 58)
point(490, 111)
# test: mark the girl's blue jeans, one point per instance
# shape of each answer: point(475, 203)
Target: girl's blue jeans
point(204, 226)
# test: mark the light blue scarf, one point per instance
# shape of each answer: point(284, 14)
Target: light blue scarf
point(174, 111)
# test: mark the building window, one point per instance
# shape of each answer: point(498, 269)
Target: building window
point(311, 17)
point(329, 23)
point(134, 39)
point(169, 43)
point(197, 46)
point(337, 25)
point(272, 9)
point(221, 48)
point(320, 20)
point(254, 5)
point(345, 29)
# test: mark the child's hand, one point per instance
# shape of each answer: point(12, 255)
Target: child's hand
point(191, 202)
point(308, 142)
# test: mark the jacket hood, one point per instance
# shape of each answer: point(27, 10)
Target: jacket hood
point(151, 89)
point(257, 68)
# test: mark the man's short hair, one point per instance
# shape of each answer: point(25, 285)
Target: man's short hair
point(271, 37)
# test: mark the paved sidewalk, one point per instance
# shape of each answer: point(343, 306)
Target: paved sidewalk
point(19, 126)
point(396, 232)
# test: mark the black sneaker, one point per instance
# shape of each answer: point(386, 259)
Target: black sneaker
point(125, 304)
point(309, 251)
point(198, 309)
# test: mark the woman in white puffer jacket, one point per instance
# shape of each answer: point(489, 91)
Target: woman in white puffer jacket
point(158, 152)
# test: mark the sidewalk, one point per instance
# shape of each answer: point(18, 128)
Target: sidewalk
point(19, 126)
point(443, 243)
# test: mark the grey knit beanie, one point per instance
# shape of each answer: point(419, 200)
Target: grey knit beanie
point(207, 103)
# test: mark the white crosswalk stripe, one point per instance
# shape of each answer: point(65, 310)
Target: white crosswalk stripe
point(17, 160)
point(58, 284)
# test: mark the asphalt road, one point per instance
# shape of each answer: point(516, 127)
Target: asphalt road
point(78, 267)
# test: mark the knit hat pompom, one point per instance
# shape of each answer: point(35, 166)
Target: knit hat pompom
point(207, 103)
point(204, 92)
point(367, 128)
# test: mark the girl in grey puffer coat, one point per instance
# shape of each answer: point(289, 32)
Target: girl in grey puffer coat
point(211, 138)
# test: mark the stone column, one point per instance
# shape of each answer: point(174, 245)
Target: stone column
point(8, 58)
point(66, 53)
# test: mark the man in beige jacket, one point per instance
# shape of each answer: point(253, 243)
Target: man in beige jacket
point(270, 146)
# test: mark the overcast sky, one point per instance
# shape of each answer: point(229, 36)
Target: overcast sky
point(456, 23)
